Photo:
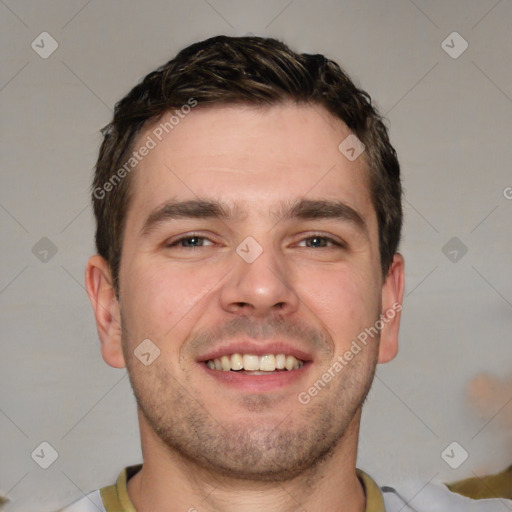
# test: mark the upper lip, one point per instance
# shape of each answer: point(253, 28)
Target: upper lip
point(258, 348)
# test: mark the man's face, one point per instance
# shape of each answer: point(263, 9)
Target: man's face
point(313, 289)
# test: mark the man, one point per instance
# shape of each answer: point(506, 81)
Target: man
point(248, 207)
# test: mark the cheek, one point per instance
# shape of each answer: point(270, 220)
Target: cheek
point(159, 298)
point(145, 301)
point(344, 301)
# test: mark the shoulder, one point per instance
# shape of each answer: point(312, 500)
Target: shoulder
point(112, 498)
point(487, 486)
point(435, 496)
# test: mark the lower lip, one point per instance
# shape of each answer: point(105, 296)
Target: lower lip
point(258, 383)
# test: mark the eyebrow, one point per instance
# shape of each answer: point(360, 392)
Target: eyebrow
point(304, 209)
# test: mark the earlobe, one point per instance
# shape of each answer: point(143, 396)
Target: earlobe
point(98, 282)
point(392, 297)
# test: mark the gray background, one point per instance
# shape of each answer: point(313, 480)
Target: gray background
point(450, 120)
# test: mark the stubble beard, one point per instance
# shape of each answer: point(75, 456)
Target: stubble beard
point(265, 447)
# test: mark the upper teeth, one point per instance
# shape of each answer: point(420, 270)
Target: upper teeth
point(251, 362)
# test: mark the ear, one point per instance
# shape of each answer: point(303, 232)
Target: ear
point(98, 282)
point(392, 296)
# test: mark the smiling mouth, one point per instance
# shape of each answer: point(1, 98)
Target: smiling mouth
point(255, 365)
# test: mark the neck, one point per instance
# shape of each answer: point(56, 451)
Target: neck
point(169, 482)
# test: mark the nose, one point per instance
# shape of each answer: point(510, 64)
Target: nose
point(260, 288)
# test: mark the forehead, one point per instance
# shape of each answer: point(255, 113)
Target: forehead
point(248, 156)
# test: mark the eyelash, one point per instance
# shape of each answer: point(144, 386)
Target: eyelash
point(175, 243)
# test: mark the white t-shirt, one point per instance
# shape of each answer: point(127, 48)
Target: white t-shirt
point(432, 497)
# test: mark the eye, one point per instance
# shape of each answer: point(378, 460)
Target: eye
point(194, 241)
point(320, 241)
point(183, 242)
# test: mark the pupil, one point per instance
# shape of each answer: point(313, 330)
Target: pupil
point(192, 239)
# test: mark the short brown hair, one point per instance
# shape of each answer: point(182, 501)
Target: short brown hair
point(242, 70)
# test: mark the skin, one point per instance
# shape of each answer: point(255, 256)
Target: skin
point(207, 445)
